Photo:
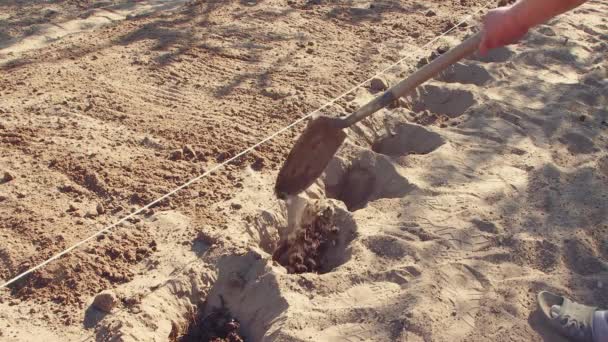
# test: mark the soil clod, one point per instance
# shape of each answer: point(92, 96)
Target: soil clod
point(72, 208)
point(176, 155)
point(188, 152)
point(7, 177)
point(378, 84)
point(105, 301)
point(100, 209)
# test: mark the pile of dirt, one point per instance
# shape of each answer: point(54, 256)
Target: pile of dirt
point(305, 251)
point(71, 281)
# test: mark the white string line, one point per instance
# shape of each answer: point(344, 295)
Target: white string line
point(221, 165)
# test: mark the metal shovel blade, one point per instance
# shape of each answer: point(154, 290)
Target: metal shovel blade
point(323, 136)
point(310, 155)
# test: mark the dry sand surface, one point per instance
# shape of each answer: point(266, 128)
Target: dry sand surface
point(438, 220)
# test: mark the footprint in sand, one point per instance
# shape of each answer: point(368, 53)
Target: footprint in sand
point(537, 254)
point(442, 101)
point(578, 143)
point(464, 287)
point(499, 55)
point(580, 257)
point(360, 296)
point(368, 177)
point(408, 139)
point(391, 248)
point(462, 239)
point(466, 74)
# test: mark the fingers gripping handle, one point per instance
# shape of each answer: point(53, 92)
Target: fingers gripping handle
point(425, 73)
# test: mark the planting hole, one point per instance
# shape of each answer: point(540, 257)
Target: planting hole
point(316, 238)
point(408, 139)
point(443, 101)
point(466, 74)
point(217, 326)
point(368, 177)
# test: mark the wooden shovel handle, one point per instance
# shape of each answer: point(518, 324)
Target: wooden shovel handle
point(425, 73)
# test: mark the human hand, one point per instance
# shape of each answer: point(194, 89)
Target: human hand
point(500, 27)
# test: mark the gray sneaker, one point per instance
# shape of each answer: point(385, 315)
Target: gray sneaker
point(570, 319)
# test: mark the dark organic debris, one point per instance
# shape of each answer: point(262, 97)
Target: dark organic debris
point(217, 326)
point(305, 252)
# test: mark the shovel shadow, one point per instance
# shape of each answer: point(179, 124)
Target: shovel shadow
point(92, 317)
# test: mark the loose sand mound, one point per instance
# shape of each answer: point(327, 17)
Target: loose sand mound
point(438, 220)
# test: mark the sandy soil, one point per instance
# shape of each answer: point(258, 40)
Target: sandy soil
point(450, 211)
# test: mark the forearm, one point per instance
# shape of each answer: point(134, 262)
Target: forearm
point(506, 25)
point(529, 13)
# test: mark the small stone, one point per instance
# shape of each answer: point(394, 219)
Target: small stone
point(430, 13)
point(378, 84)
point(188, 152)
point(7, 177)
point(100, 209)
point(134, 300)
point(277, 92)
point(105, 301)
point(310, 50)
point(258, 164)
point(236, 206)
point(582, 118)
point(48, 12)
point(176, 155)
point(90, 214)
point(149, 142)
point(443, 48)
point(72, 208)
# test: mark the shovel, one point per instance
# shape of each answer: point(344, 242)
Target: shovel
point(324, 135)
